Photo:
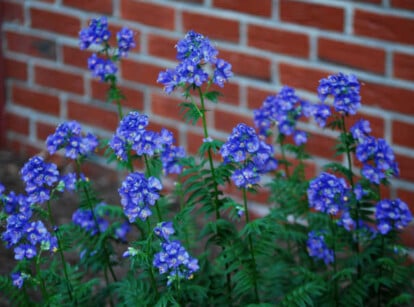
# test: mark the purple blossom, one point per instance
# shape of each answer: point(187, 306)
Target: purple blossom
point(164, 230)
point(242, 141)
point(360, 130)
point(327, 193)
point(18, 279)
point(97, 32)
point(222, 72)
point(283, 109)
point(346, 221)
point(85, 219)
point(300, 137)
point(68, 135)
point(246, 177)
point(39, 176)
point(170, 159)
point(175, 261)
point(125, 39)
point(392, 214)
point(100, 67)
point(321, 113)
point(318, 249)
point(138, 194)
point(122, 231)
point(345, 91)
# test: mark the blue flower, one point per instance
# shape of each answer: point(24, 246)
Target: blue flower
point(122, 231)
point(176, 261)
point(170, 156)
point(345, 91)
point(321, 113)
point(101, 68)
point(164, 230)
point(68, 135)
point(125, 38)
point(360, 130)
point(346, 221)
point(96, 32)
point(85, 219)
point(318, 249)
point(39, 176)
point(327, 193)
point(242, 141)
point(283, 109)
point(138, 194)
point(246, 177)
point(222, 72)
point(392, 214)
point(196, 55)
point(300, 137)
point(18, 279)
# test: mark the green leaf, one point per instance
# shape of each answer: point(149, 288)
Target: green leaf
point(213, 96)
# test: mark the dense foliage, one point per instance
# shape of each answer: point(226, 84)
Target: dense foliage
point(332, 240)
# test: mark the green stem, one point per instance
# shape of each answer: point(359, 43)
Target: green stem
point(249, 237)
point(150, 269)
point(42, 281)
point(62, 257)
point(351, 181)
point(157, 208)
point(210, 155)
point(282, 148)
point(333, 230)
point(95, 219)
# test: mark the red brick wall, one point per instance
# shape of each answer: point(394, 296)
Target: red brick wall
point(269, 43)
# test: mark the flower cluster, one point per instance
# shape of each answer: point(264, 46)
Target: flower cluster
point(138, 194)
point(174, 258)
point(98, 33)
point(318, 249)
point(376, 155)
point(392, 214)
point(132, 134)
point(94, 222)
point(68, 135)
point(328, 194)
point(244, 145)
point(18, 279)
point(345, 92)
point(194, 53)
point(284, 109)
point(39, 176)
point(21, 232)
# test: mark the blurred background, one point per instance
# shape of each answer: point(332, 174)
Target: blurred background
point(44, 78)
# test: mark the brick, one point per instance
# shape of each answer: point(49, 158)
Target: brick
point(161, 46)
point(279, 41)
point(255, 97)
point(322, 146)
point(226, 121)
point(402, 133)
point(61, 80)
point(55, 22)
point(43, 130)
point(247, 65)
point(151, 14)
point(248, 6)
point(301, 77)
point(404, 66)
point(406, 165)
point(13, 12)
point(134, 98)
point(213, 27)
point(230, 93)
point(100, 6)
point(73, 56)
point(35, 100)
point(388, 98)
point(386, 27)
point(17, 123)
point(102, 118)
point(353, 55)
point(141, 72)
point(31, 45)
point(403, 4)
point(312, 15)
point(165, 106)
point(15, 69)
point(407, 238)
